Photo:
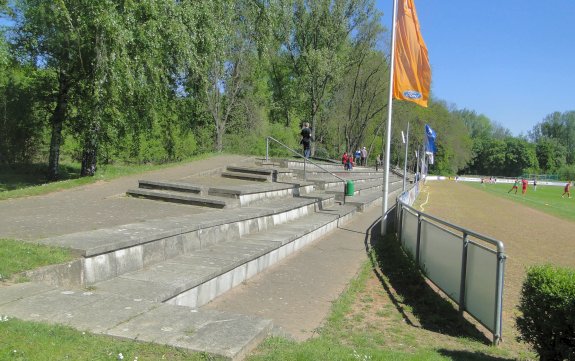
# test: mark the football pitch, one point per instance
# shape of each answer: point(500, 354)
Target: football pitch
point(546, 198)
point(536, 228)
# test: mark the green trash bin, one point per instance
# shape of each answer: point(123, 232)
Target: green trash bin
point(349, 188)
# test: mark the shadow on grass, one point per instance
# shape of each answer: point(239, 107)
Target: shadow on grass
point(457, 355)
point(415, 300)
point(27, 175)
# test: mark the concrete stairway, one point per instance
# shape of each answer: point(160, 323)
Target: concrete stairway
point(173, 266)
point(230, 195)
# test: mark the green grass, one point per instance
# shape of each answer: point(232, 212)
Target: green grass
point(30, 180)
point(15, 177)
point(32, 341)
point(343, 337)
point(17, 256)
point(546, 199)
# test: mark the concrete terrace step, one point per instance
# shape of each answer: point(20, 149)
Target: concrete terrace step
point(249, 194)
point(259, 173)
point(112, 252)
point(364, 186)
point(223, 196)
point(331, 183)
point(273, 170)
point(198, 277)
point(170, 186)
point(217, 333)
point(373, 197)
point(246, 176)
point(253, 170)
point(184, 198)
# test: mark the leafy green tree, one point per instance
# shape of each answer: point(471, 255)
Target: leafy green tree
point(15, 133)
point(21, 114)
point(560, 127)
point(550, 154)
point(47, 34)
point(355, 111)
point(229, 68)
point(503, 157)
point(488, 157)
point(314, 35)
point(84, 44)
point(519, 156)
point(479, 126)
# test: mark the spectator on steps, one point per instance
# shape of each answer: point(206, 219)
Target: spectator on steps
point(306, 140)
point(363, 156)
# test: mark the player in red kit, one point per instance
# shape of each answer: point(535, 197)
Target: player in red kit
point(524, 186)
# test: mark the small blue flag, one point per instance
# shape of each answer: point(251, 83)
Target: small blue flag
point(430, 144)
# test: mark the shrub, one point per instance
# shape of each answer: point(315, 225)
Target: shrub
point(547, 305)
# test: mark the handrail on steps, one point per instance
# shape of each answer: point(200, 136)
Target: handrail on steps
point(305, 160)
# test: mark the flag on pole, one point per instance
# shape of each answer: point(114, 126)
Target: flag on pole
point(430, 148)
point(412, 73)
point(430, 144)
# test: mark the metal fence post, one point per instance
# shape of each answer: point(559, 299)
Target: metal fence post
point(499, 297)
point(418, 244)
point(267, 148)
point(400, 221)
point(463, 273)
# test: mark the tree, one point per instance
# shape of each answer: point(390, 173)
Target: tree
point(550, 154)
point(21, 114)
point(355, 117)
point(314, 35)
point(560, 127)
point(48, 35)
point(520, 156)
point(81, 43)
point(229, 65)
point(479, 126)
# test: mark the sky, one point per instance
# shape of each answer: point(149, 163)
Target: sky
point(510, 60)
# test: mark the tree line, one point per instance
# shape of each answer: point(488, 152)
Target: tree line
point(98, 82)
point(549, 148)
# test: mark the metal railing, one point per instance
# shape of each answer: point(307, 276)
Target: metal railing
point(467, 266)
point(305, 161)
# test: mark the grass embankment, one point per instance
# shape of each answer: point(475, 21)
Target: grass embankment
point(546, 198)
point(33, 341)
point(30, 180)
point(17, 256)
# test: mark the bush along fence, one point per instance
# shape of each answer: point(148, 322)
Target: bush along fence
point(547, 306)
point(467, 266)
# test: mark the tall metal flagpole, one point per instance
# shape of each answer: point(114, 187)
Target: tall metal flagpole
point(405, 161)
point(388, 132)
point(417, 164)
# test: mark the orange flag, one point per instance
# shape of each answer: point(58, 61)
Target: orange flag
point(412, 73)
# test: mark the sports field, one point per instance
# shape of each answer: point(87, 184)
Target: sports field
point(545, 198)
point(537, 228)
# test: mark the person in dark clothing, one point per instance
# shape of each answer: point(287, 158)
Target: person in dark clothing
point(306, 140)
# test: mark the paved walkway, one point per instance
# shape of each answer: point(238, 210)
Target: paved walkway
point(298, 292)
point(101, 204)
